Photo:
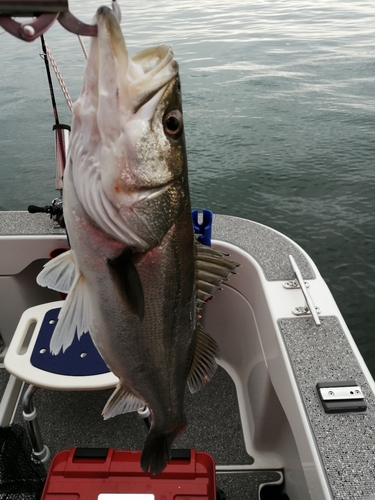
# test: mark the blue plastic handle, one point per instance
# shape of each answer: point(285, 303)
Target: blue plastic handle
point(204, 229)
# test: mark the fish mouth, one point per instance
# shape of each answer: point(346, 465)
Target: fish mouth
point(112, 124)
point(140, 77)
point(165, 69)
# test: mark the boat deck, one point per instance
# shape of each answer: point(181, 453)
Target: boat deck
point(70, 419)
point(344, 443)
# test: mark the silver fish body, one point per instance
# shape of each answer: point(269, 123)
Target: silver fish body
point(149, 354)
point(132, 269)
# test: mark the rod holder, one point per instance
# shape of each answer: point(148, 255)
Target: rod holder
point(62, 138)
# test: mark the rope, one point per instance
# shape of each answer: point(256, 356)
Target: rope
point(59, 77)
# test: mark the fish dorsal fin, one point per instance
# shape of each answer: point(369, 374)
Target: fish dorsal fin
point(211, 269)
point(59, 273)
point(125, 275)
point(74, 317)
point(122, 400)
point(203, 365)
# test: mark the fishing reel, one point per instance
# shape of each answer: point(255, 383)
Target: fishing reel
point(55, 210)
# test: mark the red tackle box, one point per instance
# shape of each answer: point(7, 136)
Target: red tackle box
point(86, 473)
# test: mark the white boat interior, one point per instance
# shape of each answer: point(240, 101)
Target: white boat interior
point(262, 417)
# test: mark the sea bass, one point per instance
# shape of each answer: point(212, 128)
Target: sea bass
point(135, 275)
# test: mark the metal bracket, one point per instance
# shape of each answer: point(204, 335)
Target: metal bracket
point(304, 311)
point(28, 31)
point(341, 396)
point(310, 307)
point(337, 393)
point(293, 284)
point(45, 14)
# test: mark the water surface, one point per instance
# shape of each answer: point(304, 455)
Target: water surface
point(279, 107)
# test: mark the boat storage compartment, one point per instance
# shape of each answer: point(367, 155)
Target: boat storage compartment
point(109, 474)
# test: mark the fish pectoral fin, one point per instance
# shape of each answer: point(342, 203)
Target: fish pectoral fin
point(125, 276)
point(59, 273)
point(211, 269)
point(74, 316)
point(203, 365)
point(122, 400)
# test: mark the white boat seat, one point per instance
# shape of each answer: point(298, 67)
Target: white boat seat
point(28, 359)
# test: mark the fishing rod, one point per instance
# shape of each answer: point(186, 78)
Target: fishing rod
point(61, 146)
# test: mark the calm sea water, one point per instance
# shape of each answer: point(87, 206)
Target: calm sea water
point(279, 106)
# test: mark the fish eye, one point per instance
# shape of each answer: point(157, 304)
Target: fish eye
point(173, 124)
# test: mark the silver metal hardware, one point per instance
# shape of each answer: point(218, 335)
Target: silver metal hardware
point(44, 14)
point(303, 310)
point(341, 393)
point(311, 308)
point(341, 396)
point(293, 284)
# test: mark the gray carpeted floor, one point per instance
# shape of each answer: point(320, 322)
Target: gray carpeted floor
point(70, 419)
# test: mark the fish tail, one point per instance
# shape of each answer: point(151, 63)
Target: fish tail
point(157, 450)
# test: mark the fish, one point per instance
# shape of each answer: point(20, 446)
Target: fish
point(135, 275)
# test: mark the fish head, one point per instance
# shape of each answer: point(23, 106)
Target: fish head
point(127, 149)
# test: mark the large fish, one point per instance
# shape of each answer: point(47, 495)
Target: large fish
point(135, 275)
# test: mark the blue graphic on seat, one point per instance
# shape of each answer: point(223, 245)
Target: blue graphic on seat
point(80, 359)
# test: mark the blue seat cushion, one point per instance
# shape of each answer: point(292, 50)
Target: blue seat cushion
point(80, 359)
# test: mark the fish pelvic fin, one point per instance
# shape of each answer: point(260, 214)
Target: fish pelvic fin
point(126, 277)
point(122, 400)
point(59, 273)
point(211, 269)
point(203, 365)
point(157, 449)
point(74, 317)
